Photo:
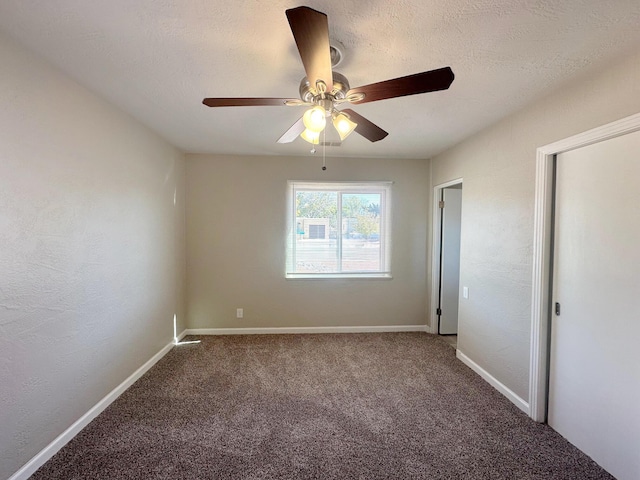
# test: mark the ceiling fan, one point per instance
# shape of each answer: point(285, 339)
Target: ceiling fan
point(324, 90)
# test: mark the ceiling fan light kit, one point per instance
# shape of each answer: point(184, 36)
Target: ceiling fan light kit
point(324, 89)
point(343, 124)
point(310, 136)
point(315, 119)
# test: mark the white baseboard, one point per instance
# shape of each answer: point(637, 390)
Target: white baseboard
point(515, 399)
point(283, 330)
point(50, 450)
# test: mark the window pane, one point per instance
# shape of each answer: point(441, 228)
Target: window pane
point(361, 232)
point(338, 229)
point(316, 243)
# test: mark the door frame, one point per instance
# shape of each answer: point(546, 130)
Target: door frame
point(435, 254)
point(542, 254)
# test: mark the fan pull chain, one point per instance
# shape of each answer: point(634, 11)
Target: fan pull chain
point(324, 149)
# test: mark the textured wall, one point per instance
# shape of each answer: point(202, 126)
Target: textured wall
point(236, 209)
point(498, 166)
point(91, 251)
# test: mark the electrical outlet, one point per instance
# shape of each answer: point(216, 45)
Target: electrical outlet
point(239, 313)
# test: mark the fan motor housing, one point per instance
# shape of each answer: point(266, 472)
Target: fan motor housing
point(309, 93)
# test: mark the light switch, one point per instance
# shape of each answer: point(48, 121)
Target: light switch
point(465, 292)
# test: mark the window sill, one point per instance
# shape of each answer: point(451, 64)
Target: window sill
point(315, 276)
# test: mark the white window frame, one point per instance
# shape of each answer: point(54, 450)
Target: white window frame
point(381, 187)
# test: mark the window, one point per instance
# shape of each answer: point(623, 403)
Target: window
point(338, 229)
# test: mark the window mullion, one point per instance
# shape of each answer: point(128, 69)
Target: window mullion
point(382, 227)
point(339, 232)
point(294, 242)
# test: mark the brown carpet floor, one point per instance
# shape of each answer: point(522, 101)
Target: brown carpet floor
point(349, 406)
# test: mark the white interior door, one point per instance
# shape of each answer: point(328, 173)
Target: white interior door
point(594, 382)
point(450, 263)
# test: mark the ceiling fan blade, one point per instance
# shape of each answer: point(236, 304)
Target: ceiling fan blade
point(310, 30)
point(366, 128)
point(424, 82)
point(246, 102)
point(293, 132)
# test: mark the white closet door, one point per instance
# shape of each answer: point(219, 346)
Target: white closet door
point(594, 386)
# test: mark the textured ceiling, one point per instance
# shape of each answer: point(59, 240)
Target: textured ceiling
point(157, 60)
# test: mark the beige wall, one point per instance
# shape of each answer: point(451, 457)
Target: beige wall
point(498, 166)
point(236, 211)
point(91, 251)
